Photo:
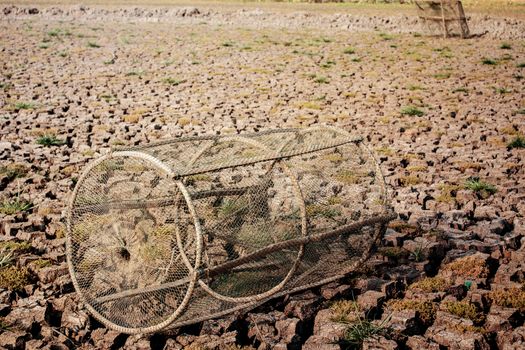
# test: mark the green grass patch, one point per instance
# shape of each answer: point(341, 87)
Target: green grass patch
point(412, 111)
point(93, 45)
point(476, 185)
point(489, 62)
point(24, 105)
point(49, 140)
point(174, 82)
point(517, 142)
point(321, 79)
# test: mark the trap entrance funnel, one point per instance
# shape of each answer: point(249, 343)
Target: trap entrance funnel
point(177, 232)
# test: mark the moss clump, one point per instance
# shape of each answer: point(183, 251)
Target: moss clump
point(409, 180)
point(431, 285)
point(448, 193)
point(13, 278)
point(470, 266)
point(317, 210)
point(16, 247)
point(4, 325)
point(465, 309)
point(347, 177)
point(163, 231)
point(13, 171)
point(405, 228)
point(41, 263)
point(345, 311)
point(426, 309)
point(394, 252)
point(513, 297)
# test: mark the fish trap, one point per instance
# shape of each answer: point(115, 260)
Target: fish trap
point(177, 232)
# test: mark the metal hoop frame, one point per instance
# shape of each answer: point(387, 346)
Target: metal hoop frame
point(69, 249)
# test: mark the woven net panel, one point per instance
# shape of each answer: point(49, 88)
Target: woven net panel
point(125, 232)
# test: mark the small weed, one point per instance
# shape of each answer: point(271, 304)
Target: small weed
point(328, 64)
point(227, 44)
point(4, 325)
point(62, 54)
point(461, 89)
point(478, 186)
point(134, 73)
point(412, 111)
point(489, 62)
point(174, 82)
point(520, 65)
point(13, 206)
point(364, 329)
point(356, 59)
point(505, 46)
point(54, 32)
point(442, 75)
point(93, 45)
point(349, 51)
point(24, 105)
point(418, 254)
point(321, 80)
point(502, 91)
point(386, 36)
point(43, 46)
point(229, 208)
point(5, 86)
point(49, 140)
point(517, 142)
point(6, 257)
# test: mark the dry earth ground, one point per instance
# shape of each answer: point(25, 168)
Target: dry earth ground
point(437, 112)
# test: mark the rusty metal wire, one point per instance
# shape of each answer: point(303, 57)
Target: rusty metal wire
point(177, 232)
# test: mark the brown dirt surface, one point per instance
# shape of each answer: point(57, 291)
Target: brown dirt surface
point(440, 114)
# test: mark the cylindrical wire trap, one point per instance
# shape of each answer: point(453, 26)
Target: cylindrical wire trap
point(177, 232)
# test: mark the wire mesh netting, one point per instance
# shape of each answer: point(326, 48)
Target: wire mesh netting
point(181, 231)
